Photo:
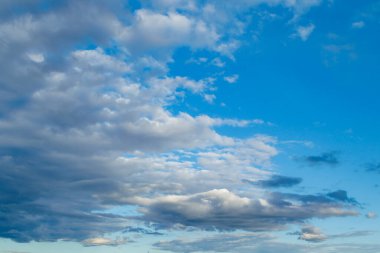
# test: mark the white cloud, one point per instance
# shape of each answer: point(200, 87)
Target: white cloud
point(218, 62)
point(101, 241)
point(304, 32)
point(36, 57)
point(223, 210)
point(231, 79)
point(98, 128)
point(371, 215)
point(312, 234)
point(156, 30)
point(358, 24)
point(209, 98)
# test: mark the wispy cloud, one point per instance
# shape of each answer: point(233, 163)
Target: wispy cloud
point(358, 24)
point(304, 32)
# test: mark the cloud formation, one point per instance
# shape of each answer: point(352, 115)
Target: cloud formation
point(327, 158)
point(304, 32)
point(277, 181)
point(373, 167)
point(256, 243)
point(311, 234)
point(86, 125)
point(223, 210)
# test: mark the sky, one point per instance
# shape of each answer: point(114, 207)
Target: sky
point(180, 126)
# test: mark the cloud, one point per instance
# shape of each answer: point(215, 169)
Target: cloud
point(312, 234)
point(371, 215)
point(277, 181)
point(219, 243)
point(358, 24)
point(87, 125)
point(304, 32)
point(338, 51)
point(373, 167)
point(36, 57)
point(209, 98)
point(223, 210)
point(341, 195)
point(141, 231)
point(315, 235)
point(256, 243)
point(156, 30)
point(231, 79)
point(327, 158)
point(101, 241)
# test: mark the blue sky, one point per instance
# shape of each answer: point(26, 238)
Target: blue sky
point(189, 126)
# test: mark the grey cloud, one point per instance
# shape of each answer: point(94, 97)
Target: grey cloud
point(315, 235)
point(277, 181)
point(257, 243)
point(82, 130)
point(342, 195)
point(141, 231)
point(311, 234)
point(351, 234)
point(220, 243)
point(373, 167)
point(327, 158)
point(223, 210)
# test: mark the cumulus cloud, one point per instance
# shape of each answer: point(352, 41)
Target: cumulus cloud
point(154, 30)
point(223, 210)
point(86, 125)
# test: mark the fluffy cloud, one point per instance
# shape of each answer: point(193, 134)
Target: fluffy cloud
point(155, 30)
point(312, 234)
point(304, 32)
point(85, 126)
point(224, 210)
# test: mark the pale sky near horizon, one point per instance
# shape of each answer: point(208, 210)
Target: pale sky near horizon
point(247, 126)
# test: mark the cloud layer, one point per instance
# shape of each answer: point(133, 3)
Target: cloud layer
point(86, 126)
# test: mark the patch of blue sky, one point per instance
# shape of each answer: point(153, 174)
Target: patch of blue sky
point(123, 210)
